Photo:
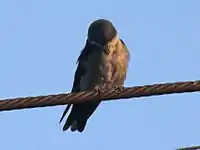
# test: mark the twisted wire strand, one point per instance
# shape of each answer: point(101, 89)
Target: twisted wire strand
point(72, 98)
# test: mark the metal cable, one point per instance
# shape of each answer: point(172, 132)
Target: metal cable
point(129, 92)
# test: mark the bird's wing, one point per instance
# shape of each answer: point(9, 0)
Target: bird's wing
point(76, 86)
point(80, 71)
point(81, 112)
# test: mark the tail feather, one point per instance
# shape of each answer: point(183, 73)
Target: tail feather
point(69, 122)
point(64, 113)
point(74, 124)
point(81, 125)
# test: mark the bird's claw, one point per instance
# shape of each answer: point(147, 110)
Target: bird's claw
point(100, 91)
point(119, 89)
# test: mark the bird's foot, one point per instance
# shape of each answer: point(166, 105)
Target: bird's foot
point(100, 91)
point(118, 89)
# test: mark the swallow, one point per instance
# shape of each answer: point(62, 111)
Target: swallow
point(102, 65)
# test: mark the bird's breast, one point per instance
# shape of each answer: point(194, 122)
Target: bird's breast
point(101, 67)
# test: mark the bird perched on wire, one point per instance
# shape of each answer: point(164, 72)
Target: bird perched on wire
point(102, 65)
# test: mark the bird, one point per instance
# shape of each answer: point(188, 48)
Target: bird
point(102, 65)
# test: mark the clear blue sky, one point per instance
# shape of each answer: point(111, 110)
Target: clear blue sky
point(40, 41)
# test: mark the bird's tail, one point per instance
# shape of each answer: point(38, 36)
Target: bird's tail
point(78, 116)
point(71, 121)
point(75, 124)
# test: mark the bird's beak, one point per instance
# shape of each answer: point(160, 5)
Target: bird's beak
point(104, 48)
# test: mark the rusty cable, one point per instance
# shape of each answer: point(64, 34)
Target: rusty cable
point(71, 98)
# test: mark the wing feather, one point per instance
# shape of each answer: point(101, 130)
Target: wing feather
point(80, 71)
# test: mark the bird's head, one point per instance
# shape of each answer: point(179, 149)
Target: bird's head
point(102, 33)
